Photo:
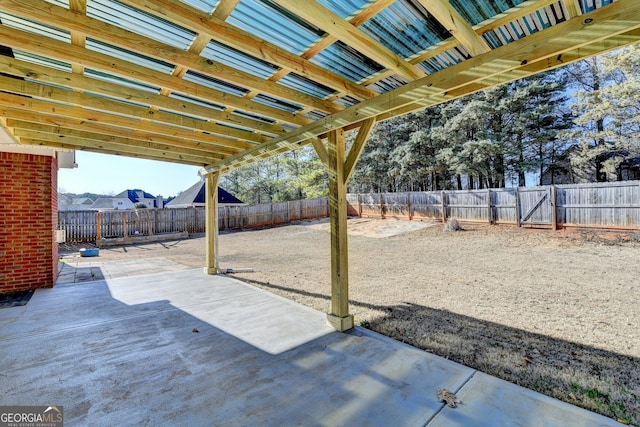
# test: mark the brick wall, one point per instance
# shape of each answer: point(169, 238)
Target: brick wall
point(28, 217)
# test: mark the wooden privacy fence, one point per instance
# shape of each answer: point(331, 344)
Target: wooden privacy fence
point(89, 226)
point(612, 205)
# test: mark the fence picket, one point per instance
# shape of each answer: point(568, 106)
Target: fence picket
point(82, 226)
point(601, 205)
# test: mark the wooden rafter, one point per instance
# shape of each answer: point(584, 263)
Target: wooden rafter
point(573, 8)
point(328, 21)
point(603, 28)
point(175, 115)
point(60, 17)
point(456, 25)
point(30, 89)
point(224, 8)
point(30, 130)
point(64, 52)
point(525, 8)
point(31, 120)
point(217, 29)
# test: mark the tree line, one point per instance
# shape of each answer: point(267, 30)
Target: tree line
point(578, 123)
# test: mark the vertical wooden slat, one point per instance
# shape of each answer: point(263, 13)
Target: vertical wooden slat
point(99, 226)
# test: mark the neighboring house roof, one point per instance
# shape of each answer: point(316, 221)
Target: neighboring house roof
point(194, 196)
point(103, 203)
point(82, 201)
point(134, 195)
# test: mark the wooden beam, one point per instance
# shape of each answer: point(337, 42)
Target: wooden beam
point(85, 100)
point(60, 17)
point(363, 16)
point(229, 35)
point(603, 27)
point(224, 8)
point(525, 8)
point(510, 15)
point(321, 151)
point(451, 19)
point(42, 74)
point(333, 24)
point(62, 51)
point(573, 8)
point(530, 68)
point(50, 140)
point(71, 136)
point(78, 38)
point(357, 147)
point(68, 126)
point(211, 218)
point(124, 153)
point(339, 316)
point(30, 105)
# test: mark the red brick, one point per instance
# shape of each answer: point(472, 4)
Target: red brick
point(28, 217)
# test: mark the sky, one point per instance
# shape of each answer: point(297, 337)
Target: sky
point(110, 175)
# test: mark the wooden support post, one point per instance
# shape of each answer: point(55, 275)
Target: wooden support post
point(443, 206)
point(339, 316)
point(124, 224)
point(359, 205)
point(381, 206)
point(409, 206)
point(211, 228)
point(554, 210)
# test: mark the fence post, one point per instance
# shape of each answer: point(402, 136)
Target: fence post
point(124, 224)
point(289, 211)
point(554, 211)
point(359, 205)
point(409, 206)
point(517, 195)
point(149, 223)
point(489, 210)
point(271, 210)
point(381, 206)
point(98, 226)
point(443, 204)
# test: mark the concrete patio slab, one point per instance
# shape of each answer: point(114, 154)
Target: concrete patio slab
point(74, 270)
point(183, 348)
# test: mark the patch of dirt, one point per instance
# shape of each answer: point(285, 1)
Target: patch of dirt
point(376, 228)
point(556, 312)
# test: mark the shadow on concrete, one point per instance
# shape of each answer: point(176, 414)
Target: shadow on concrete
point(108, 362)
point(599, 380)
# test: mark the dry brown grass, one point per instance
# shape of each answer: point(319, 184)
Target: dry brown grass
point(556, 312)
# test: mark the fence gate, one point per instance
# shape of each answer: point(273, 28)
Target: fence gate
point(536, 206)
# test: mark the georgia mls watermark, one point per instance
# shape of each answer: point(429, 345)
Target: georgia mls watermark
point(31, 416)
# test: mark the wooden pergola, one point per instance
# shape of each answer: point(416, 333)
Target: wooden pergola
point(224, 83)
